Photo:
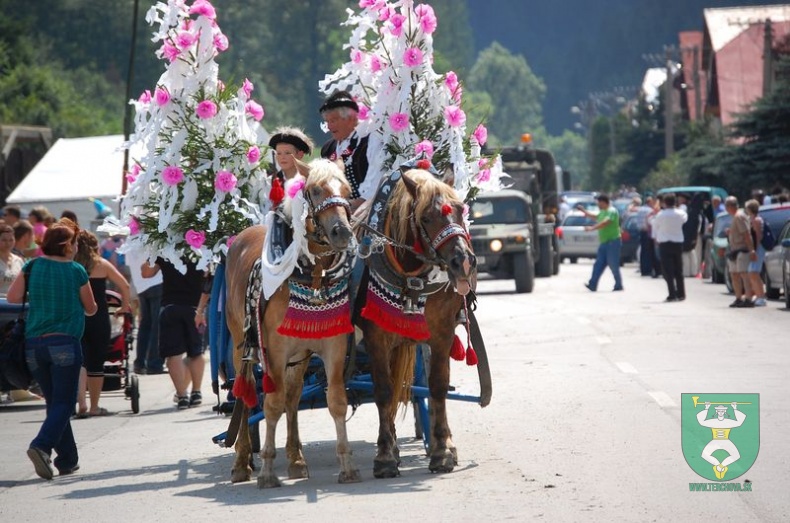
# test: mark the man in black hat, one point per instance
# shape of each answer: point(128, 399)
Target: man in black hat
point(340, 112)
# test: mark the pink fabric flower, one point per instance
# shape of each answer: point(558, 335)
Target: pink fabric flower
point(375, 63)
point(481, 134)
point(206, 109)
point(134, 226)
point(424, 10)
point(426, 147)
point(195, 239)
point(385, 13)
point(225, 181)
point(364, 4)
point(172, 175)
point(134, 171)
point(451, 81)
point(145, 98)
point(170, 52)
point(454, 116)
point(253, 154)
point(412, 57)
point(364, 112)
point(161, 96)
point(482, 163)
point(294, 185)
point(397, 24)
point(399, 122)
point(185, 39)
point(357, 56)
point(230, 241)
point(247, 87)
point(203, 8)
point(457, 94)
point(221, 42)
point(254, 109)
point(484, 175)
point(428, 23)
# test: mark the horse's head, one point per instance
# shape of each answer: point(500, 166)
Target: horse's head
point(327, 192)
point(436, 222)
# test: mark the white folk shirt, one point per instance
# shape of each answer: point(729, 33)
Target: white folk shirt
point(668, 225)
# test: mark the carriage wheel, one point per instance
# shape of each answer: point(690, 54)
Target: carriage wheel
point(422, 414)
point(483, 369)
point(134, 393)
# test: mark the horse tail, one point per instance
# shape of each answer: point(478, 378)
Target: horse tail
point(402, 370)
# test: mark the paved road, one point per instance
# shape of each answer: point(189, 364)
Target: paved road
point(584, 425)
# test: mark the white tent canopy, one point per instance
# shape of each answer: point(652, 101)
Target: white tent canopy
point(72, 172)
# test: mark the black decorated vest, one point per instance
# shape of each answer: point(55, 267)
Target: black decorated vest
point(355, 159)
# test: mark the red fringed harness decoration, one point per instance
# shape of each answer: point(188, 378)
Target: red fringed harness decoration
point(384, 307)
point(312, 317)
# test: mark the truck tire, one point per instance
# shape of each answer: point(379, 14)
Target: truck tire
point(557, 258)
point(524, 272)
point(546, 262)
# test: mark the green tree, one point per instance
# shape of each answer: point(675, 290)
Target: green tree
point(570, 151)
point(516, 91)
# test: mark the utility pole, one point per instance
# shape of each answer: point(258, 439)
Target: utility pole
point(768, 58)
point(695, 76)
point(669, 138)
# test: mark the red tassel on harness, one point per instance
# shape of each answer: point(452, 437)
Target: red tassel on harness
point(245, 391)
point(457, 352)
point(471, 356)
point(268, 384)
point(277, 193)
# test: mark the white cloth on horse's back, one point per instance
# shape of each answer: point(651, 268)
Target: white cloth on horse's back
point(275, 271)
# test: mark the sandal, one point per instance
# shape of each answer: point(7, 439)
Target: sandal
point(102, 412)
point(83, 414)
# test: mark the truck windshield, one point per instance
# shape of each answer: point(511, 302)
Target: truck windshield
point(498, 210)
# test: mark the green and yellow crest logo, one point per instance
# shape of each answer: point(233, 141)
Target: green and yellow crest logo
point(720, 433)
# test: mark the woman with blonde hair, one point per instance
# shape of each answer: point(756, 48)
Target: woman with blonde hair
point(60, 297)
point(96, 338)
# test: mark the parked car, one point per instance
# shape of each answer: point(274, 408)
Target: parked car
point(784, 241)
point(717, 246)
point(776, 216)
point(574, 241)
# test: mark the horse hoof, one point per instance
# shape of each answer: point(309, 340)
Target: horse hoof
point(443, 462)
point(385, 469)
point(298, 471)
point(349, 477)
point(240, 475)
point(268, 482)
point(455, 455)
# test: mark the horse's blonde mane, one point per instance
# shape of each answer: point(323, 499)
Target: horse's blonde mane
point(401, 201)
point(322, 171)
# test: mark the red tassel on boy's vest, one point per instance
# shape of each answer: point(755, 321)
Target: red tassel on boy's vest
point(277, 192)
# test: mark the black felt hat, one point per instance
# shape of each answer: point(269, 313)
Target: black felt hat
point(337, 100)
point(293, 137)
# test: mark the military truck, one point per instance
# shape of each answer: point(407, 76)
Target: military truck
point(502, 237)
point(535, 175)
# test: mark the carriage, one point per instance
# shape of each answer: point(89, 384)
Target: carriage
point(413, 328)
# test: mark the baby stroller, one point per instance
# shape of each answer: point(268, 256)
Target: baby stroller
point(118, 372)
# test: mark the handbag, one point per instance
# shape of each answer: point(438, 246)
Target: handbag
point(14, 371)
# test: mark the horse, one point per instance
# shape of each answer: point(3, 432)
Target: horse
point(329, 237)
point(422, 230)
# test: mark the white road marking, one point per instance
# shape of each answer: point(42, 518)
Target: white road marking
point(626, 367)
point(603, 340)
point(662, 398)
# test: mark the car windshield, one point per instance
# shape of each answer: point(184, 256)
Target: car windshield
point(722, 223)
point(577, 221)
point(499, 210)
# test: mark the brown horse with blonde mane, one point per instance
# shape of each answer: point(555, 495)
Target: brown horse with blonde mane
point(283, 349)
point(422, 230)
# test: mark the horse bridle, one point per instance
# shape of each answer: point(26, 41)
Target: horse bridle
point(451, 230)
point(318, 234)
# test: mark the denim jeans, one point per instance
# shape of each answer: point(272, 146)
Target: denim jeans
point(608, 255)
point(147, 351)
point(55, 362)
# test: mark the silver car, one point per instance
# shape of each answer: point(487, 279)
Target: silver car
point(575, 242)
point(777, 216)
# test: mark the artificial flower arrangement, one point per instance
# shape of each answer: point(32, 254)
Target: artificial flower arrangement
point(200, 179)
point(405, 107)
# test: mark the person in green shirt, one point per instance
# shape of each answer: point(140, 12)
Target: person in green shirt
point(610, 244)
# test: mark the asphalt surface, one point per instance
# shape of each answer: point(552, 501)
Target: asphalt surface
point(584, 425)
